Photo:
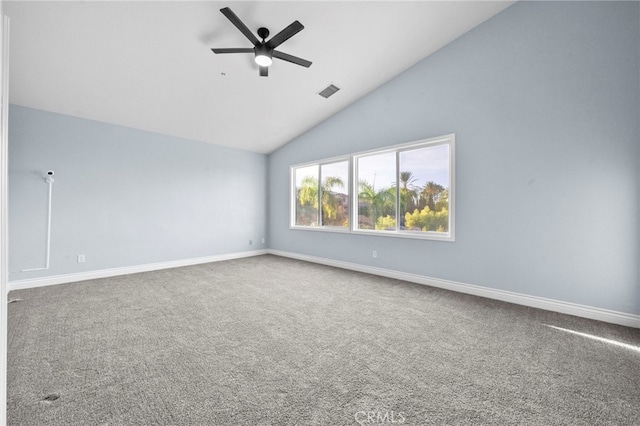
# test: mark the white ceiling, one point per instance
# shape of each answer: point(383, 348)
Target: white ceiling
point(148, 65)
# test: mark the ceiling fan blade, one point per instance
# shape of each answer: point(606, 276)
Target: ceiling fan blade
point(240, 25)
point(285, 35)
point(291, 58)
point(233, 50)
point(264, 71)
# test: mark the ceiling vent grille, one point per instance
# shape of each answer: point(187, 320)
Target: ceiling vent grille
point(329, 90)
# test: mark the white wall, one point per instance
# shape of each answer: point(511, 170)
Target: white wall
point(124, 197)
point(544, 100)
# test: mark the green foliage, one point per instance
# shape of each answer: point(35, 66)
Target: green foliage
point(308, 192)
point(376, 204)
point(430, 195)
point(307, 202)
point(386, 223)
point(426, 207)
point(427, 220)
point(334, 211)
point(443, 201)
point(408, 191)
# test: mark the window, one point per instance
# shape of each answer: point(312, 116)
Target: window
point(403, 191)
point(376, 191)
point(406, 190)
point(321, 196)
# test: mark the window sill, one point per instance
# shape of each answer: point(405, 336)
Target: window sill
point(431, 236)
point(321, 229)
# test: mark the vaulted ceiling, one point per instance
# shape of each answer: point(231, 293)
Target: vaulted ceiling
point(148, 65)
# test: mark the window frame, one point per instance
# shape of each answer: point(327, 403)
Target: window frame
point(293, 193)
point(353, 191)
point(398, 149)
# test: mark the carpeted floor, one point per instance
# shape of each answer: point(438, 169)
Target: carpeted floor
point(274, 341)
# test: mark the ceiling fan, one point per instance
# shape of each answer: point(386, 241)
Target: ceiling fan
point(264, 51)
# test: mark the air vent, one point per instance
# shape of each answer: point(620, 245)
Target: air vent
point(329, 90)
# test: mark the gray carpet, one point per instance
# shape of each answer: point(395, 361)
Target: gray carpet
point(274, 341)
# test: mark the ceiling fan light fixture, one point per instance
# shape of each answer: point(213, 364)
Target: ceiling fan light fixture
point(263, 60)
point(263, 56)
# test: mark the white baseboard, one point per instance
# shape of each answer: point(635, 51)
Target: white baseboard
point(605, 315)
point(112, 272)
point(614, 317)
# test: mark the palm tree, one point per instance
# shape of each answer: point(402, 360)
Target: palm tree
point(379, 202)
point(443, 200)
point(308, 191)
point(307, 201)
point(409, 193)
point(430, 192)
point(332, 210)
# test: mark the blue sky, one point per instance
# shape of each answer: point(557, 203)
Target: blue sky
point(429, 163)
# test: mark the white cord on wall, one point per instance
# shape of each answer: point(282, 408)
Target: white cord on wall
point(49, 179)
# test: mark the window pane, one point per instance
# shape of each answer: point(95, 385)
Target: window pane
point(400, 191)
point(335, 198)
point(424, 189)
point(377, 192)
point(306, 179)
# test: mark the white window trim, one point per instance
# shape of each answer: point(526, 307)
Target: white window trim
point(292, 195)
point(437, 236)
point(352, 189)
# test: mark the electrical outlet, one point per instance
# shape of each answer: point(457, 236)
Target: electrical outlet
point(374, 254)
point(263, 241)
point(250, 242)
point(81, 258)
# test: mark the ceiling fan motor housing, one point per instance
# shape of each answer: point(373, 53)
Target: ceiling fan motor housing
point(263, 33)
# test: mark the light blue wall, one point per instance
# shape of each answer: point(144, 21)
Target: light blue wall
point(545, 102)
point(126, 197)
